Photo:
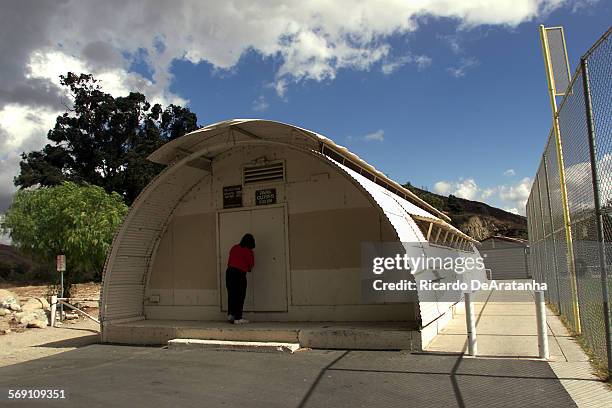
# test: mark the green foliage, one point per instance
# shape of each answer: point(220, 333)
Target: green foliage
point(454, 205)
point(430, 198)
point(103, 140)
point(76, 220)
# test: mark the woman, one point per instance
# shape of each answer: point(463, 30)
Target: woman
point(240, 261)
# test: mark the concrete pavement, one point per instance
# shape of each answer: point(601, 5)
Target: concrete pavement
point(506, 328)
point(124, 376)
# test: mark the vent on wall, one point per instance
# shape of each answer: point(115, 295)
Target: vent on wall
point(264, 173)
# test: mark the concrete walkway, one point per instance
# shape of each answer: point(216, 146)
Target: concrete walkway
point(506, 327)
point(124, 376)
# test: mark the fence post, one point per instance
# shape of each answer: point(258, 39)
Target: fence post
point(541, 322)
point(597, 201)
point(61, 295)
point(53, 309)
point(566, 213)
point(552, 234)
point(471, 325)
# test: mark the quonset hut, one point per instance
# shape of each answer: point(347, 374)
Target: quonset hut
point(310, 205)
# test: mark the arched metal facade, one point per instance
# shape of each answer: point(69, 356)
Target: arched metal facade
point(189, 159)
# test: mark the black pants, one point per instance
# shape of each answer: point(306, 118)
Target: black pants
point(236, 284)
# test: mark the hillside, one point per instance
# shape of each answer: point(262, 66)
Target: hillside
point(478, 220)
point(13, 265)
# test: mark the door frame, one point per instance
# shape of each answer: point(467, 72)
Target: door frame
point(221, 270)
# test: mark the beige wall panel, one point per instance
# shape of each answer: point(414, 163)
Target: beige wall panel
point(166, 296)
point(326, 287)
point(331, 239)
point(329, 218)
point(324, 194)
point(302, 166)
point(194, 252)
point(162, 271)
point(201, 297)
point(198, 200)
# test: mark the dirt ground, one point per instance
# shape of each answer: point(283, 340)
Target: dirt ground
point(25, 344)
point(31, 344)
point(81, 290)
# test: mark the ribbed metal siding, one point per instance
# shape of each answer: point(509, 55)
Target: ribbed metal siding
point(126, 271)
point(506, 263)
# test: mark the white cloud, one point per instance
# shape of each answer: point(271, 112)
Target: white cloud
point(392, 66)
point(466, 189)
point(377, 136)
point(22, 129)
point(509, 173)
point(260, 104)
point(50, 64)
point(443, 187)
point(465, 65)
point(453, 41)
point(421, 62)
point(307, 40)
point(487, 192)
point(517, 193)
point(511, 197)
point(311, 40)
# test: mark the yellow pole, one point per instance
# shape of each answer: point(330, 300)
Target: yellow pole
point(566, 213)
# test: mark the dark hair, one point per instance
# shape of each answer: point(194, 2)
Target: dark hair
point(248, 241)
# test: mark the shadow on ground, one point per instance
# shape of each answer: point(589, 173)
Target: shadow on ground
point(73, 342)
point(102, 375)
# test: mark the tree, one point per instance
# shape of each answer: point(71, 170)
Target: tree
point(103, 140)
point(76, 220)
point(454, 205)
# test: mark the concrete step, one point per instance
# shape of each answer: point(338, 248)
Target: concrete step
point(322, 335)
point(258, 346)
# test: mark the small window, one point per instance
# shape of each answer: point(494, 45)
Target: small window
point(264, 173)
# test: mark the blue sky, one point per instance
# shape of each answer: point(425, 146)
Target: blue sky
point(450, 96)
point(437, 124)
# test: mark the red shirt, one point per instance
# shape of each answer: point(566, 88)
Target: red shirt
point(241, 258)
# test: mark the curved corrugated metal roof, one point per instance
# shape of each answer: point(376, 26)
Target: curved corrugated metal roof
point(394, 204)
point(281, 132)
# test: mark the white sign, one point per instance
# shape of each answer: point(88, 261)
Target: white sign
point(60, 263)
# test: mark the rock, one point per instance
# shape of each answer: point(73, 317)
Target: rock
point(479, 227)
point(8, 299)
point(16, 307)
point(32, 318)
point(44, 302)
point(4, 326)
point(31, 304)
point(4, 312)
point(41, 324)
point(71, 316)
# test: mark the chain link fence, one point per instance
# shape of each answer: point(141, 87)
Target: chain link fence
point(572, 252)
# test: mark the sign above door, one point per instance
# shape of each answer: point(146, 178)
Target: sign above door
point(265, 197)
point(232, 196)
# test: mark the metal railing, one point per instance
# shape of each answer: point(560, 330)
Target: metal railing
point(57, 301)
point(573, 255)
